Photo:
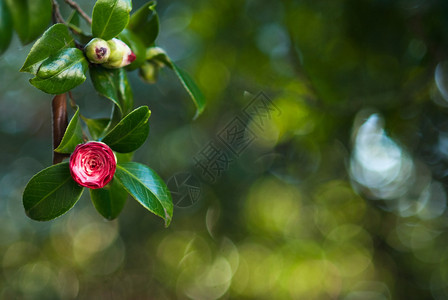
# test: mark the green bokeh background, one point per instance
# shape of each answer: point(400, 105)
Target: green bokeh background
point(341, 195)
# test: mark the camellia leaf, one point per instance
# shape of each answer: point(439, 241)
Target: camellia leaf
point(62, 72)
point(124, 157)
point(74, 19)
point(110, 200)
point(147, 188)
point(110, 17)
point(30, 17)
point(51, 193)
point(113, 84)
point(73, 22)
point(135, 43)
point(192, 89)
point(72, 135)
point(56, 37)
point(96, 126)
point(5, 27)
point(131, 132)
point(159, 55)
point(145, 23)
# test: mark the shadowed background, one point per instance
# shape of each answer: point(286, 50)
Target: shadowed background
point(341, 193)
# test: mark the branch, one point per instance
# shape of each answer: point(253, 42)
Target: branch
point(59, 113)
point(57, 17)
point(75, 107)
point(72, 100)
point(75, 6)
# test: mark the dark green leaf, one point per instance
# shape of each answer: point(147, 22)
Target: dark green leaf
point(192, 89)
point(136, 45)
point(145, 23)
point(62, 72)
point(131, 132)
point(113, 84)
point(73, 22)
point(72, 136)
point(30, 17)
point(159, 55)
point(51, 193)
point(109, 201)
point(110, 17)
point(56, 37)
point(74, 19)
point(96, 126)
point(124, 157)
point(5, 27)
point(146, 187)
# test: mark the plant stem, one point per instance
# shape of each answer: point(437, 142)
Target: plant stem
point(75, 6)
point(75, 107)
point(59, 114)
point(57, 17)
point(72, 100)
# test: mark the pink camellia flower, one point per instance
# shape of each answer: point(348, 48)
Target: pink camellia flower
point(93, 164)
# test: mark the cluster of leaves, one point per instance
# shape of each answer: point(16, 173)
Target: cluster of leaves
point(52, 192)
point(58, 63)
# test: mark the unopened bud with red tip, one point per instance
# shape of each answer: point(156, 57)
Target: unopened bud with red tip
point(120, 54)
point(97, 51)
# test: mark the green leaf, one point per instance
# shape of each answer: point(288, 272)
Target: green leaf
point(157, 54)
point(124, 157)
point(109, 201)
point(96, 126)
point(5, 27)
point(51, 193)
point(56, 38)
point(192, 89)
point(113, 84)
point(136, 45)
point(73, 22)
point(110, 17)
point(131, 132)
point(30, 17)
point(72, 136)
point(62, 72)
point(145, 23)
point(74, 19)
point(147, 188)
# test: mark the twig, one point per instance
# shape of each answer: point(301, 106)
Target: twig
point(75, 6)
point(75, 107)
point(57, 17)
point(59, 113)
point(72, 100)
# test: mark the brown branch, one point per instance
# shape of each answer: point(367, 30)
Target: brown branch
point(59, 113)
point(72, 100)
point(75, 6)
point(75, 107)
point(57, 17)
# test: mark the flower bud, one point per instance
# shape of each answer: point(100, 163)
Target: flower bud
point(93, 165)
point(153, 52)
point(149, 71)
point(97, 51)
point(120, 54)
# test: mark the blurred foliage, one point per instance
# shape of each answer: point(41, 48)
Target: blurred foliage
point(341, 195)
